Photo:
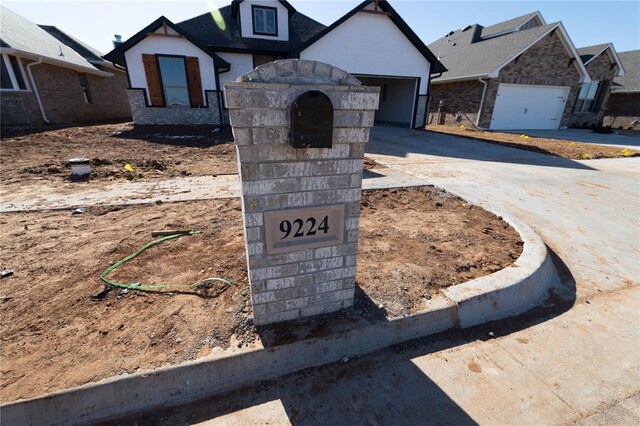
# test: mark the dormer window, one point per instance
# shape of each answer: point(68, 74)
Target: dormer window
point(265, 20)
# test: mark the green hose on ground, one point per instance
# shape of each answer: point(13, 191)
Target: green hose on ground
point(160, 287)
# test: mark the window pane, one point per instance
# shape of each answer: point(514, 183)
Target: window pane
point(588, 105)
point(17, 72)
point(271, 21)
point(593, 89)
point(579, 103)
point(259, 18)
point(173, 72)
point(174, 80)
point(6, 80)
point(177, 96)
point(584, 89)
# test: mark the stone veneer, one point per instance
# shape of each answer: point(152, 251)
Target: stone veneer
point(275, 176)
point(148, 115)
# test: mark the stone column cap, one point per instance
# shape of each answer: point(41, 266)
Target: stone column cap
point(299, 72)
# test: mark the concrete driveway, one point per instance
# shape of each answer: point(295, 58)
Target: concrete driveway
point(578, 364)
point(583, 135)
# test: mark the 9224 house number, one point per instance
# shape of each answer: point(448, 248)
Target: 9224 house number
point(301, 229)
point(286, 227)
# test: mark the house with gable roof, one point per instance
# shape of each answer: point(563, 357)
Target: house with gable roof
point(623, 109)
point(48, 76)
point(176, 71)
point(519, 74)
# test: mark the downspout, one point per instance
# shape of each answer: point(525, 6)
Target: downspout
point(484, 92)
point(35, 89)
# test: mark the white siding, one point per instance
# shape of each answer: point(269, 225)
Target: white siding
point(370, 44)
point(240, 64)
point(168, 46)
point(246, 19)
point(400, 100)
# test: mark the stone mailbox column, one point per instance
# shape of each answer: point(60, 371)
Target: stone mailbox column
point(301, 174)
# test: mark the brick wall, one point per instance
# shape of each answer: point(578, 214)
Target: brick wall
point(19, 108)
point(545, 64)
point(623, 109)
point(63, 99)
point(147, 115)
point(599, 69)
point(276, 176)
point(461, 96)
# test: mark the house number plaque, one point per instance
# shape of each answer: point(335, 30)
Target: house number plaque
point(300, 229)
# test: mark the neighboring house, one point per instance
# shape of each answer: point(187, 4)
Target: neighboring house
point(602, 64)
point(176, 72)
point(50, 77)
point(624, 102)
point(518, 74)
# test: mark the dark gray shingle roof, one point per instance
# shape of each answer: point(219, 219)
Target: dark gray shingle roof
point(204, 30)
point(23, 35)
point(86, 51)
point(511, 24)
point(631, 80)
point(464, 57)
point(587, 53)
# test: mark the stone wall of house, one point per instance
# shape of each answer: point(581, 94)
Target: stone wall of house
point(463, 97)
point(547, 63)
point(599, 69)
point(63, 98)
point(148, 115)
point(277, 177)
point(623, 111)
point(19, 108)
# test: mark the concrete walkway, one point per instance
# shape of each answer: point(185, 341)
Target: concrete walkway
point(579, 365)
point(86, 194)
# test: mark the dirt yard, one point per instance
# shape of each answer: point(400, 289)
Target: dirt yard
point(565, 149)
point(59, 328)
point(153, 151)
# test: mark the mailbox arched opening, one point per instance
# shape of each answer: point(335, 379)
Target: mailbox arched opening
point(312, 121)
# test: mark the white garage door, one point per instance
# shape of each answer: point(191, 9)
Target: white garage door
point(528, 107)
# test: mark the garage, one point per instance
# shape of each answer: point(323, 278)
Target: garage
point(397, 98)
point(528, 107)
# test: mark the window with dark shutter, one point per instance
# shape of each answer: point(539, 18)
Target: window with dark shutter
point(153, 80)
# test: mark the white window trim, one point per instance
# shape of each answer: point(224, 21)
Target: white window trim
point(12, 77)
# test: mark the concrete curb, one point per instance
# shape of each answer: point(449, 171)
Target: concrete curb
point(505, 293)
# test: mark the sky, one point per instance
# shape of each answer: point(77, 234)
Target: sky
point(587, 22)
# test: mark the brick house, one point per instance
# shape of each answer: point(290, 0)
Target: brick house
point(603, 64)
point(176, 72)
point(624, 102)
point(50, 77)
point(517, 74)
